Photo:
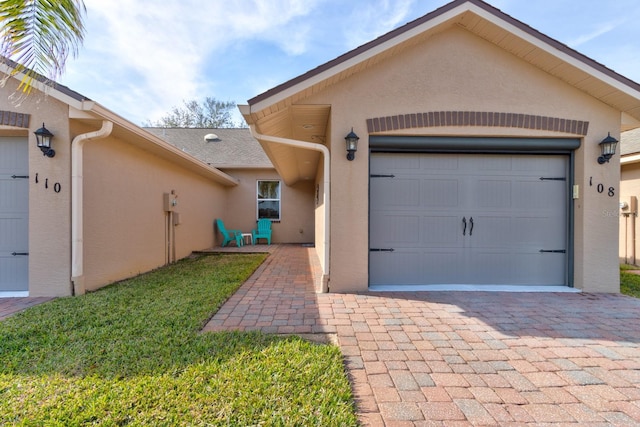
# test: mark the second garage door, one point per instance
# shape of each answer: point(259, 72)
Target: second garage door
point(468, 219)
point(14, 215)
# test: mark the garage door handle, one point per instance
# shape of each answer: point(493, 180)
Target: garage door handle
point(464, 225)
point(471, 229)
point(19, 253)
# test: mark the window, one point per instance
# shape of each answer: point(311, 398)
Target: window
point(269, 200)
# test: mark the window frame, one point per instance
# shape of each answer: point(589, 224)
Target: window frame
point(278, 199)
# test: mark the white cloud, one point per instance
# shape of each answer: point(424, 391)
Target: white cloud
point(600, 30)
point(155, 53)
point(140, 58)
point(376, 18)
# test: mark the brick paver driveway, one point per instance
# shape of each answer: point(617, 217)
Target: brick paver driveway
point(10, 306)
point(459, 358)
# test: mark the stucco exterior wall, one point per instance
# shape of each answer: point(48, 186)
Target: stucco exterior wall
point(126, 228)
point(629, 222)
point(49, 215)
point(296, 223)
point(457, 71)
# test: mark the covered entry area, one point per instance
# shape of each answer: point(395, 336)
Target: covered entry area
point(495, 211)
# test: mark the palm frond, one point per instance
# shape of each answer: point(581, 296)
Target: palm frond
point(40, 35)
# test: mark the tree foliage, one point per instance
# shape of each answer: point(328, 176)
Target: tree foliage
point(39, 35)
point(210, 113)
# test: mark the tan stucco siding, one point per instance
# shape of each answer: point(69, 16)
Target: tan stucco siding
point(297, 204)
point(49, 214)
point(629, 222)
point(125, 225)
point(457, 71)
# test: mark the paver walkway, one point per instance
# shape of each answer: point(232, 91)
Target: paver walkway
point(9, 306)
point(459, 358)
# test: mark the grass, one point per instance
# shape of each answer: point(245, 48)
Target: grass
point(629, 282)
point(132, 354)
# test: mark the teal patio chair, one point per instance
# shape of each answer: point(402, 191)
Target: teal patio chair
point(229, 235)
point(263, 231)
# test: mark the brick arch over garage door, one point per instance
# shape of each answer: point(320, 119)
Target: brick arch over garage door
point(10, 118)
point(476, 118)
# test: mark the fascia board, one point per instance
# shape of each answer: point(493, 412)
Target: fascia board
point(558, 53)
point(533, 37)
point(163, 148)
point(628, 159)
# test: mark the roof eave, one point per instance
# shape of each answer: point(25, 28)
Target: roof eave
point(430, 21)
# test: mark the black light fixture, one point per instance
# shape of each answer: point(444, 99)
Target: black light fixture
point(43, 140)
point(607, 148)
point(352, 144)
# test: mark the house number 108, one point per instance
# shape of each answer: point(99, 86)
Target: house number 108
point(600, 188)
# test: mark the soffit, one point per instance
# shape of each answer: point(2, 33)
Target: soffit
point(306, 123)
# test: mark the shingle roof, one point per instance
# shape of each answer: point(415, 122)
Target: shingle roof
point(630, 142)
point(233, 148)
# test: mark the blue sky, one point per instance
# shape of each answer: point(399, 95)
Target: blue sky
point(141, 58)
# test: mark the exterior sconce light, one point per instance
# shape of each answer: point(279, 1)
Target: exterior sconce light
point(43, 140)
point(607, 148)
point(352, 144)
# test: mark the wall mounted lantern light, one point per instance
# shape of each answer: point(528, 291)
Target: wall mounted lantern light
point(43, 140)
point(352, 144)
point(607, 148)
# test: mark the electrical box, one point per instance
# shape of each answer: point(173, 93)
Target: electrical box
point(170, 201)
point(629, 205)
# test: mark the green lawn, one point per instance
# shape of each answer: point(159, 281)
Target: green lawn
point(629, 282)
point(132, 354)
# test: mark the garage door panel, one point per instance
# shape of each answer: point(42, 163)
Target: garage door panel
point(441, 231)
point(537, 232)
point(13, 194)
point(396, 193)
point(492, 194)
point(441, 267)
point(401, 162)
point(393, 230)
point(546, 268)
point(14, 214)
point(440, 193)
point(515, 215)
point(490, 232)
point(482, 164)
point(534, 195)
point(490, 268)
point(396, 267)
point(442, 163)
point(13, 229)
point(13, 272)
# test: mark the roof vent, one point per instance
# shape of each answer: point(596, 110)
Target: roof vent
point(210, 137)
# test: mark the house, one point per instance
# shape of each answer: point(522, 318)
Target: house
point(110, 200)
point(477, 165)
point(629, 193)
point(237, 153)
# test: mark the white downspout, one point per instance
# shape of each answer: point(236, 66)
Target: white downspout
point(77, 220)
point(327, 188)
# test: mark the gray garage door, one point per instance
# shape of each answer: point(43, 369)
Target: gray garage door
point(14, 214)
point(468, 219)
